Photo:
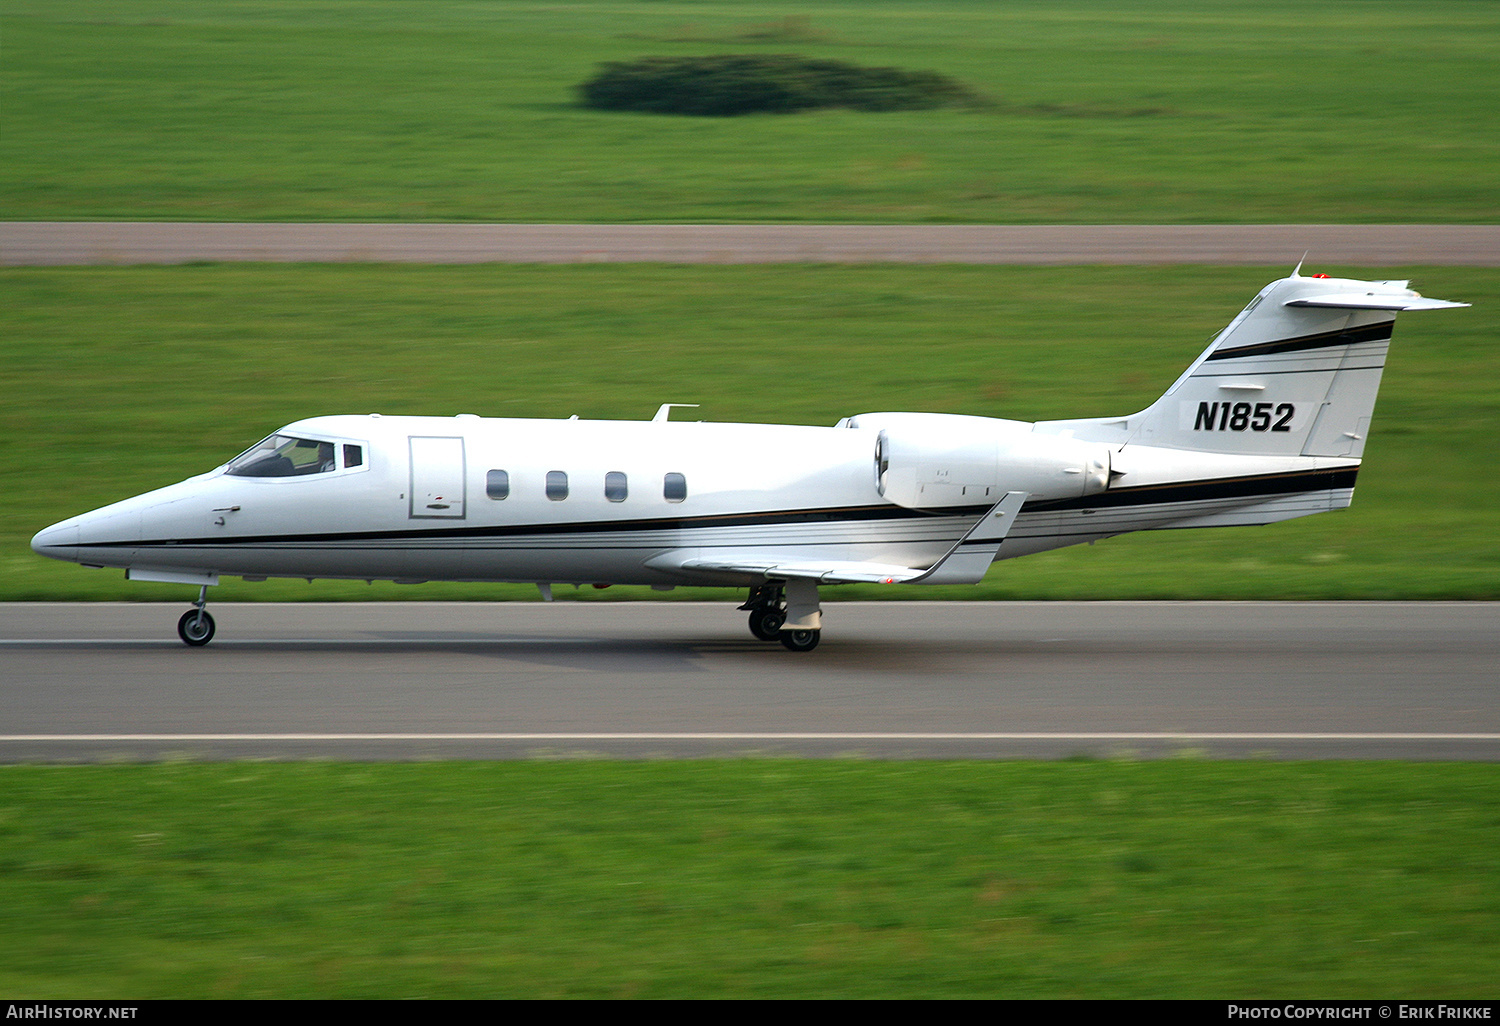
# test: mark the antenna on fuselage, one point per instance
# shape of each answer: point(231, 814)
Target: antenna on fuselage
point(664, 411)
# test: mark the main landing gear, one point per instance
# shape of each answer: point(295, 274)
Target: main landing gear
point(196, 628)
point(767, 611)
point(800, 641)
point(786, 613)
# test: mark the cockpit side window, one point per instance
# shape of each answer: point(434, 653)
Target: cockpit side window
point(285, 456)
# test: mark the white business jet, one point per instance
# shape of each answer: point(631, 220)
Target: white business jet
point(1269, 423)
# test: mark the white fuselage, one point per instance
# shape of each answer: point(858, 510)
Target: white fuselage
point(630, 502)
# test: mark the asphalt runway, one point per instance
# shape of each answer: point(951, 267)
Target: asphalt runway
point(88, 682)
point(68, 242)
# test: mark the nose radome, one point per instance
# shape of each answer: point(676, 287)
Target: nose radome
point(60, 541)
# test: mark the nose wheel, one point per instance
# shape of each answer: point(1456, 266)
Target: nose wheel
point(196, 628)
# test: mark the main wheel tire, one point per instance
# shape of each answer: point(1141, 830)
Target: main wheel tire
point(765, 624)
point(801, 641)
point(196, 628)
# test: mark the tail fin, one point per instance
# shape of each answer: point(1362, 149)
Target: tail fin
point(1295, 374)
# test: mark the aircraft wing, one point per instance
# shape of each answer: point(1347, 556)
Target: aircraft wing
point(829, 572)
point(965, 563)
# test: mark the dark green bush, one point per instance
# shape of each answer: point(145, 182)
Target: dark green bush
point(730, 84)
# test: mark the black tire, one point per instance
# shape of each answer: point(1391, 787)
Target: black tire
point(801, 641)
point(196, 628)
point(765, 624)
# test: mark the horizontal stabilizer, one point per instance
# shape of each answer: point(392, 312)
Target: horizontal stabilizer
point(1374, 301)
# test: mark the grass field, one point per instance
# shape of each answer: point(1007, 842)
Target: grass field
point(1103, 111)
point(118, 380)
point(1173, 879)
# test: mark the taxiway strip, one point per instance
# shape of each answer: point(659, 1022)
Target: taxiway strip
point(40, 243)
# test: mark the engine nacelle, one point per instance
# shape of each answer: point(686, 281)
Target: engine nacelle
point(927, 460)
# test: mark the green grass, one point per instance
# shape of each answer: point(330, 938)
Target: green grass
point(1104, 111)
point(118, 380)
point(1177, 878)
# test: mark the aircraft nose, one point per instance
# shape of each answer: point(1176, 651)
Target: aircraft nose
point(60, 541)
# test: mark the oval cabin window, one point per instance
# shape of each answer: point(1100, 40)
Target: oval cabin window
point(497, 484)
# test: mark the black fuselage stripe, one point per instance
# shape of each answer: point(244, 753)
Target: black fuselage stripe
point(1197, 491)
point(1323, 340)
point(768, 518)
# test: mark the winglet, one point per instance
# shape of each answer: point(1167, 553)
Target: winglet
point(967, 561)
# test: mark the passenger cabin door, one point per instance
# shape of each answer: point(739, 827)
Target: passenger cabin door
point(437, 477)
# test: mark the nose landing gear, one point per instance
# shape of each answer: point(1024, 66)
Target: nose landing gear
point(196, 628)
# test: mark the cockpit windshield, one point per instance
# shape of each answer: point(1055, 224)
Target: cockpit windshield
point(284, 456)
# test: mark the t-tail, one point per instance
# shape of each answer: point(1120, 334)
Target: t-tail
point(1269, 423)
point(1295, 374)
